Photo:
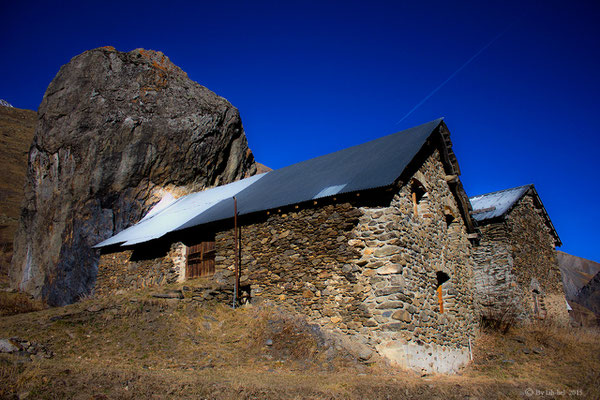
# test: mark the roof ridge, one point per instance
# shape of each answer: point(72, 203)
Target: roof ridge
point(437, 122)
point(500, 191)
point(335, 173)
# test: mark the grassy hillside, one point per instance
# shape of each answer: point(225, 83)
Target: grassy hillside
point(16, 132)
point(137, 346)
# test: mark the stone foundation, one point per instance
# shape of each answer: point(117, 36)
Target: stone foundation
point(429, 357)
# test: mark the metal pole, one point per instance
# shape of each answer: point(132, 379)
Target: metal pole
point(236, 289)
point(470, 350)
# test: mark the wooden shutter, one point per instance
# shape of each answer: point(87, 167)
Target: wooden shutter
point(200, 260)
point(440, 299)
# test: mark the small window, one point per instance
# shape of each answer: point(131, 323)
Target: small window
point(442, 277)
point(536, 304)
point(449, 216)
point(453, 228)
point(200, 260)
point(539, 309)
point(420, 199)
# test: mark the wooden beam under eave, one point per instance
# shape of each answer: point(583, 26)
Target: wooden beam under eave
point(451, 178)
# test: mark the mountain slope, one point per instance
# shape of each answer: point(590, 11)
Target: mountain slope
point(581, 280)
point(576, 272)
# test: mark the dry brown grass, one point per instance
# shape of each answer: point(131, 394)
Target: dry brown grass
point(135, 346)
point(546, 356)
point(18, 303)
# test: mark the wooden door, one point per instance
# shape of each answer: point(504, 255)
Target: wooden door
point(200, 260)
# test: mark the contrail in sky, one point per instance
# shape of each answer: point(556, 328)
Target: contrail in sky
point(419, 104)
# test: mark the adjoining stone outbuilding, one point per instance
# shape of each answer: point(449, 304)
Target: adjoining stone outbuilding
point(372, 241)
point(517, 277)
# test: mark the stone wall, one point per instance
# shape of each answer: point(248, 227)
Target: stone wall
point(134, 269)
point(535, 262)
point(516, 257)
point(302, 260)
point(401, 254)
point(498, 297)
point(370, 271)
point(365, 266)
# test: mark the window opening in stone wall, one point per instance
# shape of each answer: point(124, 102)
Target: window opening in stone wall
point(442, 277)
point(539, 308)
point(449, 220)
point(536, 305)
point(452, 225)
point(449, 216)
point(200, 260)
point(420, 198)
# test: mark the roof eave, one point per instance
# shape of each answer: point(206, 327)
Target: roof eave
point(546, 217)
point(537, 202)
point(452, 168)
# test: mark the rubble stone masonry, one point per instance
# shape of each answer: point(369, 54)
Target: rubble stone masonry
point(125, 270)
point(371, 272)
point(366, 269)
point(517, 274)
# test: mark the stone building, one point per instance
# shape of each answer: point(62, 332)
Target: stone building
point(372, 241)
point(517, 277)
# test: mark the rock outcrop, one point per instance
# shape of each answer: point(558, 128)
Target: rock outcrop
point(576, 273)
point(16, 131)
point(581, 280)
point(115, 132)
point(589, 295)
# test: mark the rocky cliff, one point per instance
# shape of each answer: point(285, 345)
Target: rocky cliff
point(589, 295)
point(16, 131)
point(581, 279)
point(576, 272)
point(115, 132)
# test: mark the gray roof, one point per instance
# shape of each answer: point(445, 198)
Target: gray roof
point(162, 219)
point(369, 165)
point(494, 205)
point(374, 164)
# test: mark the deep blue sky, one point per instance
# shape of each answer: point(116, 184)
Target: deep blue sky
point(314, 77)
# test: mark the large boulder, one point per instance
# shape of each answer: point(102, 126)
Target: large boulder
point(16, 131)
point(115, 132)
